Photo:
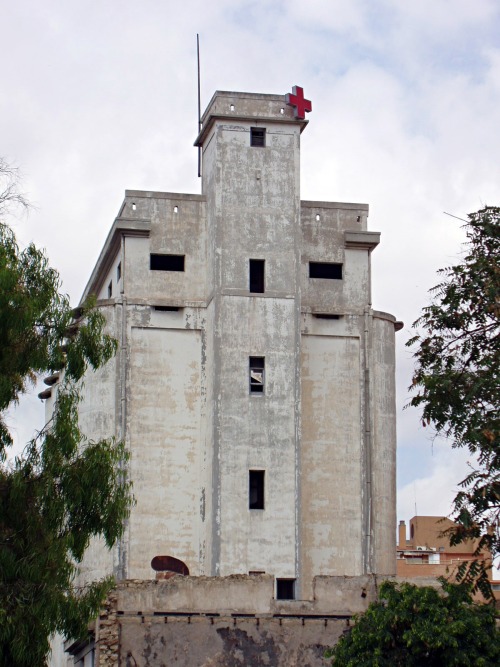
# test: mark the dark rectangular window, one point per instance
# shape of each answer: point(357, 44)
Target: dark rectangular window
point(118, 272)
point(110, 290)
point(285, 589)
point(166, 262)
point(328, 270)
point(256, 374)
point(167, 309)
point(257, 136)
point(256, 489)
point(257, 269)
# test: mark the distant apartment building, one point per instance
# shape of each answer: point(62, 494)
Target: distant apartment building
point(428, 552)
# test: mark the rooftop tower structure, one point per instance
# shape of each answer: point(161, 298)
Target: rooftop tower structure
point(254, 382)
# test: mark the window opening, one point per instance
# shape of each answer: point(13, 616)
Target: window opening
point(328, 270)
point(285, 589)
point(168, 309)
point(256, 489)
point(119, 271)
point(318, 217)
point(176, 209)
point(166, 262)
point(326, 316)
point(255, 573)
point(256, 374)
point(134, 206)
point(110, 290)
point(257, 136)
point(257, 271)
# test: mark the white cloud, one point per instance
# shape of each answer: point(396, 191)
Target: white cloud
point(445, 16)
point(334, 15)
point(433, 493)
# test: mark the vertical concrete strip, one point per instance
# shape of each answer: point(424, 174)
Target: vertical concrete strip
point(121, 559)
point(298, 383)
point(367, 466)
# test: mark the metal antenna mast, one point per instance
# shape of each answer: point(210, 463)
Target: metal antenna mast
point(199, 100)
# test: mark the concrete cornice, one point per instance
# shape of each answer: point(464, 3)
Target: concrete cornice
point(304, 203)
point(149, 194)
point(361, 240)
point(255, 120)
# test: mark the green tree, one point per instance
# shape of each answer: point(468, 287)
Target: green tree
point(63, 489)
point(409, 626)
point(456, 381)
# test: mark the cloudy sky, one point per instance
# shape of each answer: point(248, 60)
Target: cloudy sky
point(101, 95)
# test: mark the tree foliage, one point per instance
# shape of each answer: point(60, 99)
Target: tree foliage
point(409, 626)
point(63, 489)
point(456, 379)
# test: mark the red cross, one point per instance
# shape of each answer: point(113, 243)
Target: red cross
point(296, 99)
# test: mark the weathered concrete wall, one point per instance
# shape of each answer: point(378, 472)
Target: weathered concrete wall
point(322, 227)
point(257, 432)
point(253, 212)
point(331, 513)
point(164, 427)
point(177, 228)
point(225, 622)
point(97, 410)
point(97, 419)
point(110, 281)
point(228, 103)
point(227, 641)
point(383, 443)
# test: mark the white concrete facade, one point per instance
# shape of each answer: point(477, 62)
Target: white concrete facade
point(179, 392)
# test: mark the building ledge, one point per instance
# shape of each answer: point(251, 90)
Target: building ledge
point(361, 240)
point(305, 203)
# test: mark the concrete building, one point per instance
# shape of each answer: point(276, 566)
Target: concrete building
point(254, 382)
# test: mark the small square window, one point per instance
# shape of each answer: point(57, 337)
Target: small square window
point(110, 290)
point(256, 274)
point(119, 271)
point(256, 489)
point(256, 374)
point(257, 136)
point(285, 589)
point(328, 270)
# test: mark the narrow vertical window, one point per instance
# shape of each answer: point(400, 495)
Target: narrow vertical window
point(256, 272)
point(110, 290)
point(256, 489)
point(118, 272)
point(285, 589)
point(257, 136)
point(256, 374)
